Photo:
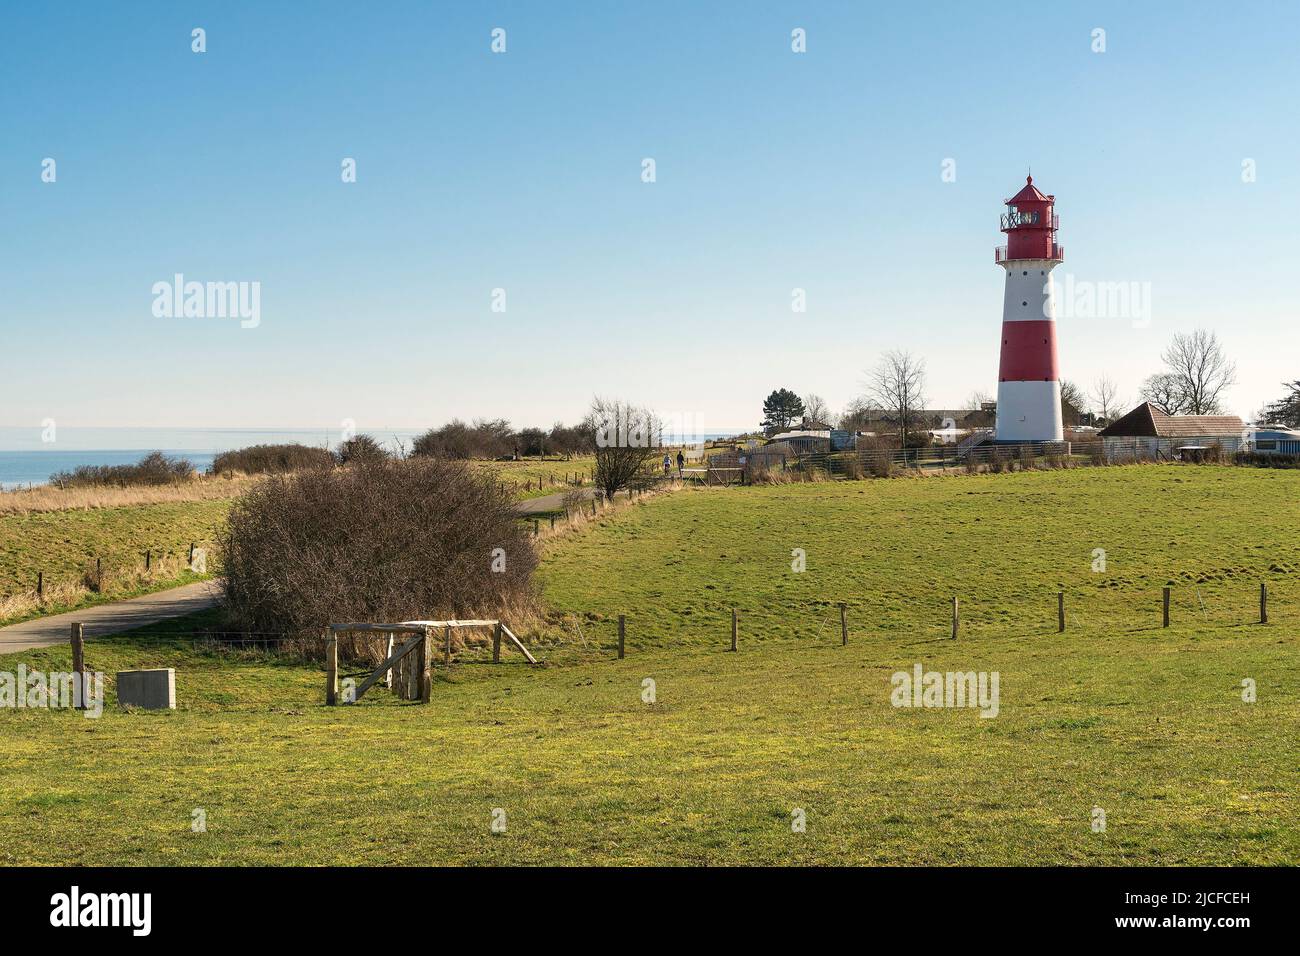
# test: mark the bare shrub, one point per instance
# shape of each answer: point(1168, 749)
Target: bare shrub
point(271, 459)
point(881, 465)
point(362, 449)
point(853, 468)
point(154, 468)
point(573, 501)
point(383, 541)
point(482, 439)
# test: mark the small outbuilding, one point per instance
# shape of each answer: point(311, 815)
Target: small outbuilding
point(800, 442)
point(1275, 441)
point(1148, 433)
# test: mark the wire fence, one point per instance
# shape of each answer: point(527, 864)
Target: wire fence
point(908, 617)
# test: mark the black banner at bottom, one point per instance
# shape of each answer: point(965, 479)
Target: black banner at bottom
point(330, 905)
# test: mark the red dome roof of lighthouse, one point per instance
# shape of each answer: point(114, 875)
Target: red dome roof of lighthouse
point(1029, 193)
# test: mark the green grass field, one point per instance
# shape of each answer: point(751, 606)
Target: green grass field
point(1118, 713)
point(553, 473)
point(64, 545)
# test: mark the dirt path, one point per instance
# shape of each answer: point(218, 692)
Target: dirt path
point(549, 503)
point(110, 618)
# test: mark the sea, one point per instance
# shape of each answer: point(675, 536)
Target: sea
point(29, 456)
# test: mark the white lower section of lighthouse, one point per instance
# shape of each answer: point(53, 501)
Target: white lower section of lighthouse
point(1029, 387)
point(1029, 411)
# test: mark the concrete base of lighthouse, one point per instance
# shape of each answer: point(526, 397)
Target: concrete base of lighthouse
point(1029, 411)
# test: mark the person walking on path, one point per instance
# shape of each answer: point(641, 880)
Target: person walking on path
point(668, 466)
point(681, 462)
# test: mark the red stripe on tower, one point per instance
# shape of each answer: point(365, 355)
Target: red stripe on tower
point(1028, 352)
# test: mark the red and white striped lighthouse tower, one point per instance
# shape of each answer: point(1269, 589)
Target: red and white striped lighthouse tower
point(1029, 385)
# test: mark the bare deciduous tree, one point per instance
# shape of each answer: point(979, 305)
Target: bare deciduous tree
point(1201, 371)
point(814, 408)
point(898, 384)
point(626, 439)
point(1164, 391)
point(861, 414)
point(1074, 403)
point(1105, 396)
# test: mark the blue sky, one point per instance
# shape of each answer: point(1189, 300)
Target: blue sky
point(522, 171)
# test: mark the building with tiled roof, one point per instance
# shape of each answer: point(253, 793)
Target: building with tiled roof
point(1147, 432)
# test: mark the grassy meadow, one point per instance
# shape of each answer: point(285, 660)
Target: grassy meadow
point(552, 472)
point(64, 545)
point(1118, 713)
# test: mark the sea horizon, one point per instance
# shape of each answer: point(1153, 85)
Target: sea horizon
point(31, 455)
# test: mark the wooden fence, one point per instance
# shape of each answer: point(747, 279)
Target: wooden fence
point(406, 670)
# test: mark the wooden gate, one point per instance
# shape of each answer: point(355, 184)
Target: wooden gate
point(408, 669)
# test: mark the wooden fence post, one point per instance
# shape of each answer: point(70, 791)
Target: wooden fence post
point(1166, 602)
point(844, 625)
point(446, 647)
point(426, 664)
point(734, 630)
point(40, 585)
point(331, 667)
point(954, 618)
point(148, 560)
point(191, 560)
point(535, 527)
point(1263, 602)
point(388, 652)
point(496, 643)
point(79, 665)
point(622, 634)
point(1060, 612)
point(552, 522)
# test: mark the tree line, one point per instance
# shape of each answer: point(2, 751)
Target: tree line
point(1196, 374)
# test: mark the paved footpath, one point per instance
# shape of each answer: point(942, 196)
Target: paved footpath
point(110, 618)
point(548, 503)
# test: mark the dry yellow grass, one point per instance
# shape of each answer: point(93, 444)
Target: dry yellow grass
point(52, 498)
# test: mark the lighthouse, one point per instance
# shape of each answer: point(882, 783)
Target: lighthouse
point(1029, 385)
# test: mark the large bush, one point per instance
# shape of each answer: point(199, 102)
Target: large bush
point(154, 468)
point(272, 459)
point(361, 448)
point(382, 541)
point(482, 439)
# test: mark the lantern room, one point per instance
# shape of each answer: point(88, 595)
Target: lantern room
point(1030, 224)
